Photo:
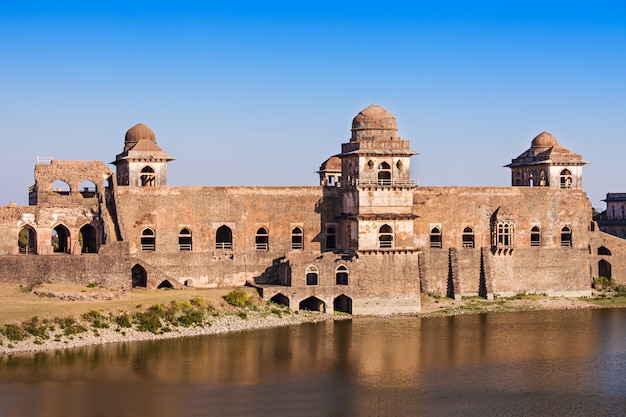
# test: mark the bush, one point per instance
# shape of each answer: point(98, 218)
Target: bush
point(123, 321)
point(603, 283)
point(198, 301)
point(37, 328)
point(69, 326)
point(97, 320)
point(14, 333)
point(150, 320)
point(237, 298)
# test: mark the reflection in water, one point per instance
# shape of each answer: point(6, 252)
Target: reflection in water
point(561, 363)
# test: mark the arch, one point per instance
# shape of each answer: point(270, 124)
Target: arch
point(27, 240)
point(312, 304)
point(604, 269)
point(603, 250)
point(87, 239)
point(165, 284)
point(435, 237)
point(297, 239)
point(139, 276)
point(311, 275)
point(184, 240)
point(565, 178)
point(468, 237)
point(341, 275)
point(384, 173)
point(385, 237)
point(224, 238)
point(87, 189)
point(60, 187)
point(61, 239)
point(261, 239)
point(566, 236)
point(370, 164)
point(535, 236)
point(343, 304)
point(280, 299)
point(148, 240)
point(147, 177)
point(331, 238)
point(188, 283)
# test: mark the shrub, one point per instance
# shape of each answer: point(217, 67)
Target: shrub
point(123, 321)
point(97, 320)
point(150, 320)
point(237, 298)
point(69, 326)
point(14, 333)
point(91, 285)
point(243, 315)
point(37, 328)
point(198, 301)
point(603, 283)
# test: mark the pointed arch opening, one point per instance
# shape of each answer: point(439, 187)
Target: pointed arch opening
point(88, 239)
point(139, 276)
point(60, 187)
point(280, 299)
point(61, 239)
point(185, 240)
point(384, 174)
point(435, 237)
point(27, 240)
point(147, 178)
point(165, 285)
point(535, 236)
point(261, 239)
point(87, 189)
point(603, 250)
point(224, 238)
point(385, 237)
point(341, 275)
point(297, 239)
point(343, 304)
point(565, 178)
point(312, 304)
point(604, 269)
point(311, 275)
point(566, 236)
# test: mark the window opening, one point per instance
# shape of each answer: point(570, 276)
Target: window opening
point(341, 275)
point(148, 240)
point(504, 234)
point(147, 177)
point(224, 238)
point(535, 236)
point(384, 174)
point(87, 189)
point(27, 240)
point(603, 250)
point(343, 304)
point(297, 241)
point(468, 237)
point(385, 237)
point(61, 239)
point(60, 187)
point(566, 179)
point(331, 238)
point(435, 237)
point(87, 239)
point(566, 236)
point(262, 239)
point(311, 275)
point(184, 240)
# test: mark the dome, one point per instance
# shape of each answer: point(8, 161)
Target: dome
point(331, 164)
point(374, 122)
point(137, 133)
point(544, 140)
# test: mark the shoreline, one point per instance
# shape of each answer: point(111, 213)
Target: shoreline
point(229, 322)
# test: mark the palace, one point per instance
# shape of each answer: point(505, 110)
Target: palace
point(368, 240)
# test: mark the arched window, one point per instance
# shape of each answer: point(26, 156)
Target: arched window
point(224, 238)
point(147, 177)
point(468, 237)
point(542, 178)
point(535, 236)
point(297, 239)
point(61, 239)
point(184, 240)
point(311, 275)
point(262, 239)
point(603, 250)
point(27, 240)
point(370, 164)
point(566, 236)
point(87, 239)
point(566, 178)
point(331, 238)
point(385, 237)
point(148, 242)
point(504, 234)
point(139, 276)
point(384, 174)
point(87, 189)
point(60, 187)
point(341, 275)
point(435, 237)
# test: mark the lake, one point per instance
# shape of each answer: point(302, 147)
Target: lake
point(538, 363)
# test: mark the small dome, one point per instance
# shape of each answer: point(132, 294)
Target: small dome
point(374, 122)
point(544, 140)
point(331, 164)
point(137, 133)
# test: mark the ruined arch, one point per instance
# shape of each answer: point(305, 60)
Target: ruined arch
point(343, 304)
point(87, 238)
point(604, 269)
point(165, 284)
point(224, 238)
point(60, 187)
point(280, 299)
point(139, 276)
point(87, 189)
point(61, 239)
point(312, 304)
point(27, 240)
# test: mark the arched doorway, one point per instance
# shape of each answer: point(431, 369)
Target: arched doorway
point(61, 239)
point(280, 299)
point(27, 240)
point(343, 304)
point(139, 276)
point(604, 269)
point(312, 304)
point(87, 239)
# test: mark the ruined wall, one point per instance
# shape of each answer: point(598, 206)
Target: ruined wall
point(202, 210)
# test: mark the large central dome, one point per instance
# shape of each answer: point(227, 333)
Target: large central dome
point(373, 123)
point(138, 133)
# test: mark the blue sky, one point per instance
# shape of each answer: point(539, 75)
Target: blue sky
point(260, 93)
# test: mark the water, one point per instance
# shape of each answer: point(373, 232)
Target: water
point(550, 363)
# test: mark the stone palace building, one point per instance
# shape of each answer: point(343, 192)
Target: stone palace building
point(368, 240)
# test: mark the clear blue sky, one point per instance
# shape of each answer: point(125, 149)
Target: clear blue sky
point(254, 93)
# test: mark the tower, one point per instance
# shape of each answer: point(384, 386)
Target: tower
point(142, 163)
